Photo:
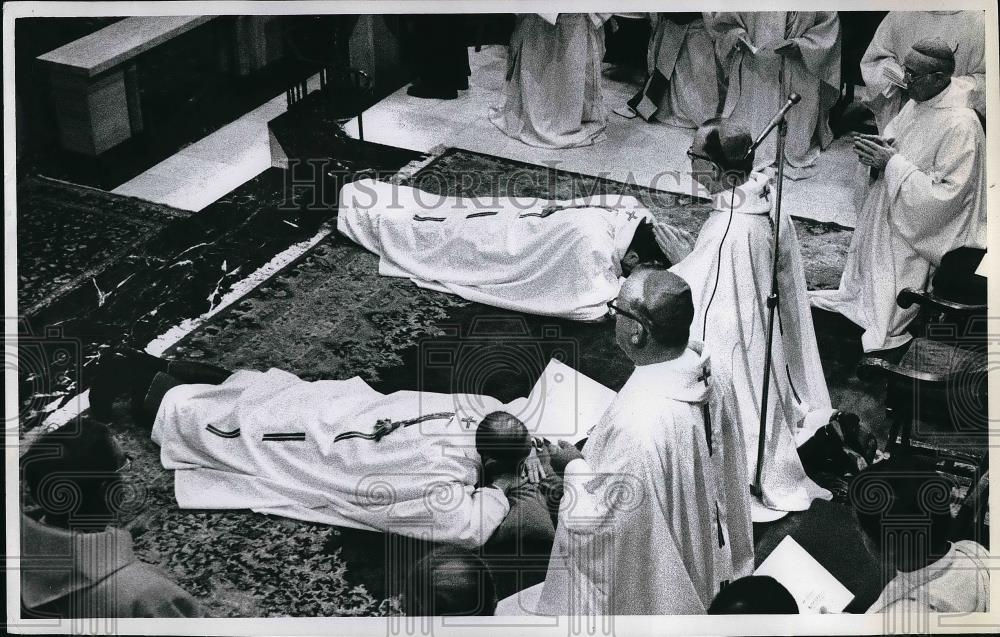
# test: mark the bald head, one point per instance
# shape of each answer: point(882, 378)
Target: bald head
point(502, 437)
point(930, 55)
point(754, 595)
point(449, 582)
point(663, 300)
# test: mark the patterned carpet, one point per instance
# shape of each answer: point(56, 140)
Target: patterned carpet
point(67, 234)
point(329, 315)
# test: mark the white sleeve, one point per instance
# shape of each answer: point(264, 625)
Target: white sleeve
point(467, 517)
point(583, 509)
point(879, 56)
point(925, 200)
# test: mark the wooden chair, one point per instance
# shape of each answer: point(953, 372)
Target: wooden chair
point(940, 381)
point(972, 520)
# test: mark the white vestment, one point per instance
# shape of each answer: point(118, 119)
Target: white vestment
point(273, 443)
point(959, 582)
point(756, 89)
point(656, 519)
point(552, 97)
point(930, 200)
point(729, 272)
point(683, 88)
point(559, 258)
point(963, 31)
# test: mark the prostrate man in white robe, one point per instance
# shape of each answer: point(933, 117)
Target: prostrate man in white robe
point(755, 44)
point(655, 513)
point(683, 88)
point(562, 258)
point(927, 197)
point(337, 452)
point(882, 64)
point(553, 98)
point(729, 272)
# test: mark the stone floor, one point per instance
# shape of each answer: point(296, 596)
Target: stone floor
point(633, 152)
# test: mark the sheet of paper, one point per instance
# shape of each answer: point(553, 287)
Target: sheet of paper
point(563, 404)
point(894, 77)
point(812, 586)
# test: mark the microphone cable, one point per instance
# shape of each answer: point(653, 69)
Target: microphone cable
point(718, 263)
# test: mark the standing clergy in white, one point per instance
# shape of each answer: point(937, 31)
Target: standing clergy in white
point(552, 98)
point(882, 65)
point(729, 272)
point(926, 197)
point(682, 89)
point(756, 44)
point(655, 515)
point(556, 258)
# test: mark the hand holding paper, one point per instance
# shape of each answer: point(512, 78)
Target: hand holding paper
point(894, 74)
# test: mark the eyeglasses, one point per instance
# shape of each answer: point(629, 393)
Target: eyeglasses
point(614, 310)
point(909, 77)
point(693, 155)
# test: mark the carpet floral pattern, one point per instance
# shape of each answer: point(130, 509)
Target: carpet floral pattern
point(67, 234)
point(329, 315)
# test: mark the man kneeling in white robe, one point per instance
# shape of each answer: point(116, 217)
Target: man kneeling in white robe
point(654, 519)
point(729, 272)
point(927, 198)
point(336, 452)
point(552, 97)
point(557, 258)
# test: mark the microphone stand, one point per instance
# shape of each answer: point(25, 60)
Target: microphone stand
point(772, 305)
point(772, 299)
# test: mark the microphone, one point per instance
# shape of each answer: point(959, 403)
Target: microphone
point(793, 99)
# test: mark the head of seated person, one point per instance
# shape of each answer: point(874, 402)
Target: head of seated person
point(449, 581)
point(653, 314)
point(905, 511)
point(928, 67)
point(754, 595)
point(503, 443)
point(719, 155)
point(73, 475)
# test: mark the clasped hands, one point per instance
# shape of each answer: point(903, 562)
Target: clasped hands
point(873, 150)
point(545, 457)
